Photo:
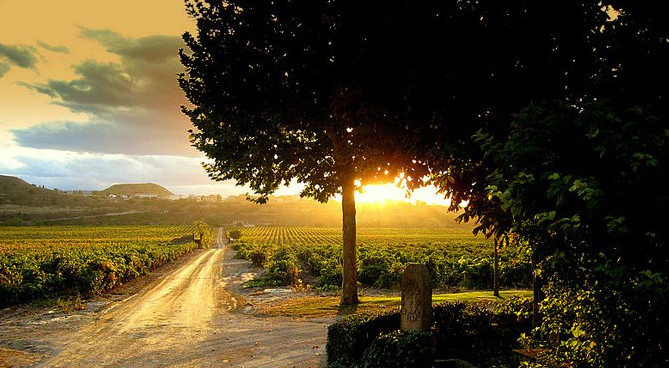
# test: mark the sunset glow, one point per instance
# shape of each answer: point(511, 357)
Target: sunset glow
point(384, 193)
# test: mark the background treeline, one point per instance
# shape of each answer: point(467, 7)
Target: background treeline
point(24, 204)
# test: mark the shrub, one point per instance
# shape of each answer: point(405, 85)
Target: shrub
point(481, 333)
point(235, 234)
point(283, 265)
point(257, 257)
point(330, 278)
point(477, 274)
point(348, 338)
point(372, 268)
point(399, 349)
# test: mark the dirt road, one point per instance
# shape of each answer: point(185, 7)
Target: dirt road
point(188, 318)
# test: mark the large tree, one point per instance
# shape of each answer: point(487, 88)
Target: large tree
point(572, 125)
point(300, 91)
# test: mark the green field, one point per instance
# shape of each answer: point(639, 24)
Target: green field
point(37, 262)
point(455, 257)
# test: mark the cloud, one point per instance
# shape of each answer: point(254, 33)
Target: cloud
point(4, 68)
point(61, 49)
point(133, 105)
point(72, 170)
point(156, 48)
point(101, 86)
point(21, 56)
point(104, 137)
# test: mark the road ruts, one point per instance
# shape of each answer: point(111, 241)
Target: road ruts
point(187, 319)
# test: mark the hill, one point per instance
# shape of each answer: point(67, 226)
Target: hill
point(145, 190)
point(17, 191)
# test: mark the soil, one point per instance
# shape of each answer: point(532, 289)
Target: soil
point(194, 313)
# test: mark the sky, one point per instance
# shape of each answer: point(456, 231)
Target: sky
point(89, 97)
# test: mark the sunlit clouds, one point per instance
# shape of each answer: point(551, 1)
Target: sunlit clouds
point(90, 98)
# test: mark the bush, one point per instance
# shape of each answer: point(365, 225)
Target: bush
point(330, 278)
point(283, 265)
point(477, 274)
point(372, 268)
point(349, 338)
point(399, 349)
point(235, 234)
point(481, 333)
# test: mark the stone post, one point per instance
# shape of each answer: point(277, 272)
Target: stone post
point(416, 310)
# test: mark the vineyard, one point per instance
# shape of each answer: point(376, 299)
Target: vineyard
point(455, 257)
point(37, 262)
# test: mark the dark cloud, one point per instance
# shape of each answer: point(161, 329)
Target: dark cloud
point(156, 48)
point(46, 46)
point(101, 86)
point(135, 102)
point(21, 56)
point(105, 37)
point(104, 137)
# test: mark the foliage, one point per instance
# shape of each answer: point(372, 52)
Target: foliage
point(235, 234)
point(37, 262)
point(455, 258)
point(349, 338)
point(290, 90)
point(571, 157)
point(202, 234)
point(568, 175)
point(480, 333)
point(297, 91)
point(284, 266)
point(399, 349)
point(605, 320)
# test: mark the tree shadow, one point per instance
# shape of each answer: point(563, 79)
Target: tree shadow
point(345, 310)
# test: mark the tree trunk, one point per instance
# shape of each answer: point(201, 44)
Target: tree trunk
point(349, 288)
point(495, 270)
point(536, 290)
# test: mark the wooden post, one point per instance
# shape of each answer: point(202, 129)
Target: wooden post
point(416, 310)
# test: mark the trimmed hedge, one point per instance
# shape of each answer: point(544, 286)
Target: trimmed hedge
point(350, 337)
point(481, 333)
point(399, 349)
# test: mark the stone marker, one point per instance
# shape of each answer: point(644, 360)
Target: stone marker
point(416, 311)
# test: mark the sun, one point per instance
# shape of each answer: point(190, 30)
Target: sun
point(385, 193)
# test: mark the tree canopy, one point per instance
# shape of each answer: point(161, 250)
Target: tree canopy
point(549, 119)
point(563, 143)
point(298, 90)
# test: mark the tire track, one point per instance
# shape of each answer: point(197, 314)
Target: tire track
point(187, 319)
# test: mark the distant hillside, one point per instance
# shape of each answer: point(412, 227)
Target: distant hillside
point(24, 203)
point(12, 181)
point(16, 191)
point(137, 190)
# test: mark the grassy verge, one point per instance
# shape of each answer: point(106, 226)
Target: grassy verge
point(328, 306)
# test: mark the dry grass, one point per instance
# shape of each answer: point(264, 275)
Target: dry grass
point(328, 306)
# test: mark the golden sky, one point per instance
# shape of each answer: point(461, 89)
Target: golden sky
point(89, 94)
point(89, 98)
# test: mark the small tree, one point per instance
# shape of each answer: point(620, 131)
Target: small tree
point(235, 234)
